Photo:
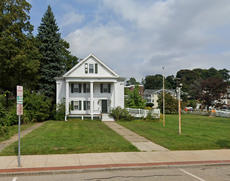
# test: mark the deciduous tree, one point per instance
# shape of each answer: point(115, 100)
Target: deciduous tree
point(213, 89)
point(19, 62)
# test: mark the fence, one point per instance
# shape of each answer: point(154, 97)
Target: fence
point(220, 113)
point(144, 112)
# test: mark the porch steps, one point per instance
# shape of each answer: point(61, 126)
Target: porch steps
point(106, 117)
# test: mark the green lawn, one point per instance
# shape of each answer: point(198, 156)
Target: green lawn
point(14, 130)
point(198, 132)
point(60, 137)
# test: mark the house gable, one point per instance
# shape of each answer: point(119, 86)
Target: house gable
point(91, 66)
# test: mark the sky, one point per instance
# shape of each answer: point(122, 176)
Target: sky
point(137, 38)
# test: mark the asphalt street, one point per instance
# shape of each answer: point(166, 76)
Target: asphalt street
point(203, 173)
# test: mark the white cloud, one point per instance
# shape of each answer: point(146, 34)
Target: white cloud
point(138, 38)
point(71, 18)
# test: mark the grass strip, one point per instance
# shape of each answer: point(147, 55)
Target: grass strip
point(198, 132)
point(69, 137)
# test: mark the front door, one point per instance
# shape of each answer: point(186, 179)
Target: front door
point(104, 106)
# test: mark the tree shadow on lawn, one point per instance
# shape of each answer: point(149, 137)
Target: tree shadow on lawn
point(224, 144)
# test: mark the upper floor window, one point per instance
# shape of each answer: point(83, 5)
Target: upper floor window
point(105, 88)
point(86, 88)
point(75, 88)
point(91, 68)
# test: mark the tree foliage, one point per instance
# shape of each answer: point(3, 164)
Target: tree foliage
point(156, 82)
point(171, 104)
point(212, 89)
point(132, 81)
point(133, 99)
point(18, 54)
point(50, 47)
point(56, 58)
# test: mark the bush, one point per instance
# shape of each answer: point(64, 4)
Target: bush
point(60, 112)
point(36, 107)
point(149, 105)
point(121, 114)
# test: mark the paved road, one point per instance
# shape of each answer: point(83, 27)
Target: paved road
point(207, 173)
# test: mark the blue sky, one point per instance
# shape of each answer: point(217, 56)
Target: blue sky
point(138, 37)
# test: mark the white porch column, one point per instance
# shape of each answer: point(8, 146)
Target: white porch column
point(91, 99)
point(66, 100)
point(115, 95)
point(57, 87)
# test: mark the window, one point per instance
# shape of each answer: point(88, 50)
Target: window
point(75, 88)
point(105, 88)
point(96, 68)
point(86, 105)
point(86, 88)
point(86, 68)
point(91, 68)
point(75, 105)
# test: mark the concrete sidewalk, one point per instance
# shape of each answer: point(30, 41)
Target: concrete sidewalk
point(14, 138)
point(138, 141)
point(44, 163)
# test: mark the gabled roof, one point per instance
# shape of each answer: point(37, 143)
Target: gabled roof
point(158, 91)
point(84, 60)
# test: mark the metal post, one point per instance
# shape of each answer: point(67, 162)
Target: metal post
point(19, 152)
point(163, 98)
point(179, 110)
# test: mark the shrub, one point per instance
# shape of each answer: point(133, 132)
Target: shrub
point(36, 107)
point(60, 111)
point(121, 114)
point(149, 105)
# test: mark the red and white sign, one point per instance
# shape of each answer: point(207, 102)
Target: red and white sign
point(19, 91)
point(19, 109)
point(19, 100)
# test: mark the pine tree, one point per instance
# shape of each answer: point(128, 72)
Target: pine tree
point(18, 55)
point(50, 47)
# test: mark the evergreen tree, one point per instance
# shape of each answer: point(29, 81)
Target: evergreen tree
point(50, 47)
point(68, 60)
point(18, 55)
point(56, 58)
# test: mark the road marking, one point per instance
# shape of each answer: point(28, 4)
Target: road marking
point(15, 178)
point(192, 175)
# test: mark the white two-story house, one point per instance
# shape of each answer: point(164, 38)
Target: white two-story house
point(90, 89)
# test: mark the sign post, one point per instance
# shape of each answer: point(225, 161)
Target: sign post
point(19, 113)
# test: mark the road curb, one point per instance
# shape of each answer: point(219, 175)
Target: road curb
point(109, 167)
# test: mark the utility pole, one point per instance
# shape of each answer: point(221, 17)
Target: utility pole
point(163, 98)
point(178, 88)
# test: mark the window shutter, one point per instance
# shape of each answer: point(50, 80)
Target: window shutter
point(86, 68)
point(72, 106)
point(84, 105)
point(84, 87)
point(79, 88)
point(79, 105)
point(109, 85)
point(101, 88)
point(96, 68)
point(72, 88)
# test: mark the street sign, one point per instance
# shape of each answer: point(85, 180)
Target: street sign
point(19, 113)
point(19, 109)
point(19, 91)
point(19, 100)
